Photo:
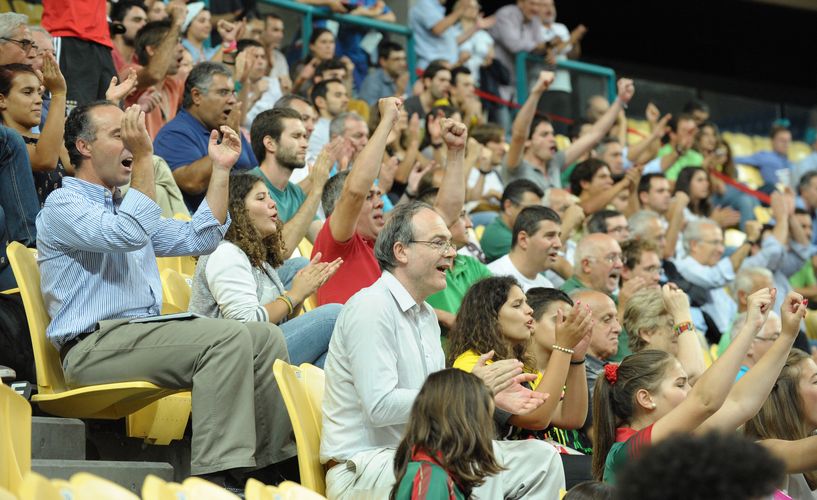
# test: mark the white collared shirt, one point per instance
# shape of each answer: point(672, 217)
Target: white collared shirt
point(383, 348)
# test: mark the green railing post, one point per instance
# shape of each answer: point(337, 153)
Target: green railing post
point(521, 77)
point(411, 59)
point(582, 67)
point(306, 33)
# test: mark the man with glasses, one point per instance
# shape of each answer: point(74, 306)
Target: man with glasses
point(16, 43)
point(760, 344)
point(610, 222)
point(597, 265)
point(209, 101)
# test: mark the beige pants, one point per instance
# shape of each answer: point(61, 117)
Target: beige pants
point(533, 470)
point(239, 418)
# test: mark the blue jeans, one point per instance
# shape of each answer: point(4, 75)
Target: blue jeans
point(290, 268)
point(308, 335)
point(19, 204)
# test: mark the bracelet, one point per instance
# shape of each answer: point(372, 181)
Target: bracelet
point(563, 349)
point(229, 47)
point(577, 362)
point(286, 300)
point(482, 172)
point(61, 94)
point(686, 326)
point(437, 146)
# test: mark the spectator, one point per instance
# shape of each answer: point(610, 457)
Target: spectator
point(486, 183)
point(534, 248)
point(590, 490)
point(435, 37)
point(473, 39)
point(258, 91)
point(321, 48)
point(497, 318)
point(390, 79)
point(131, 15)
point(352, 128)
point(597, 265)
point(496, 240)
point(785, 424)
point(804, 281)
point(646, 225)
point(16, 40)
point(610, 151)
point(99, 272)
point(654, 193)
point(705, 266)
point(678, 152)
point(300, 104)
point(764, 339)
point(641, 259)
point(18, 200)
point(716, 465)
point(21, 109)
point(84, 39)
point(329, 69)
point(625, 396)
point(331, 99)
point(208, 103)
point(660, 319)
point(159, 55)
point(464, 97)
point(694, 181)
point(698, 110)
point(157, 10)
point(436, 85)
point(350, 36)
point(402, 363)
point(609, 222)
point(807, 164)
point(45, 46)
point(354, 210)
point(437, 456)
point(748, 280)
point(272, 38)
point(197, 28)
point(807, 199)
point(593, 183)
point(246, 260)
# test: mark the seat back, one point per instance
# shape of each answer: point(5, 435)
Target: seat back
point(295, 392)
point(175, 289)
point(15, 438)
point(315, 383)
point(155, 488)
point(294, 491)
point(90, 487)
point(37, 487)
point(305, 248)
point(195, 487)
point(50, 378)
point(256, 490)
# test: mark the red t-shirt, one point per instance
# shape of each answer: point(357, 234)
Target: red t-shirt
point(358, 271)
point(83, 19)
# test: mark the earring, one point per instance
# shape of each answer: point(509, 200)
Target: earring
point(654, 406)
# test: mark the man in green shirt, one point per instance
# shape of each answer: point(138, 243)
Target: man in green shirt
point(518, 194)
point(678, 154)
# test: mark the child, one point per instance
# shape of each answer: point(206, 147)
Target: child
point(447, 449)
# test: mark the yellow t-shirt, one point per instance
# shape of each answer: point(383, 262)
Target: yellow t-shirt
point(468, 360)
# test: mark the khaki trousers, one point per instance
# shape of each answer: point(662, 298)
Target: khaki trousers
point(239, 419)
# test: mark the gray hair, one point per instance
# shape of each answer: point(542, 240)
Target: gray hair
point(286, 101)
point(693, 231)
point(745, 279)
point(637, 223)
point(338, 124)
point(741, 320)
point(40, 29)
point(201, 77)
point(9, 22)
point(332, 190)
point(398, 228)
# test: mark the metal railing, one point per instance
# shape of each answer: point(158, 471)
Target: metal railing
point(310, 13)
point(522, 59)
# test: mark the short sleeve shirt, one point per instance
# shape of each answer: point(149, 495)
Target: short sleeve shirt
point(525, 170)
point(466, 271)
point(629, 445)
point(288, 201)
point(496, 240)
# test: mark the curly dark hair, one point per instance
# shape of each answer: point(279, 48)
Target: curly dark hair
point(477, 324)
point(243, 234)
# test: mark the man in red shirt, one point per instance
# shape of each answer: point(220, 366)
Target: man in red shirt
point(83, 44)
point(131, 15)
point(354, 210)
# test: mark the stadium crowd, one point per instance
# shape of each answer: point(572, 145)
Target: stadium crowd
point(497, 316)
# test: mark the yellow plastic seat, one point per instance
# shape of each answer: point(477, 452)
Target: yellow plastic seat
point(761, 143)
point(799, 150)
point(256, 490)
point(479, 231)
point(176, 288)
point(750, 176)
point(360, 107)
point(763, 214)
point(303, 413)
point(195, 487)
point(103, 401)
point(811, 324)
point(183, 264)
point(305, 248)
point(90, 487)
point(15, 439)
point(7, 495)
point(155, 488)
point(294, 491)
point(162, 421)
point(310, 303)
point(315, 381)
point(562, 142)
point(741, 144)
point(37, 487)
point(733, 237)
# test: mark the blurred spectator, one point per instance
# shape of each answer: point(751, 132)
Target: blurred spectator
point(694, 181)
point(496, 240)
point(390, 79)
point(807, 198)
point(771, 162)
point(330, 99)
point(16, 42)
point(436, 85)
point(609, 222)
point(197, 29)
point(654, 193)
point(595, 106)
point(434, 33)
point(610, 151)
point(350, 36)
point(272, 38)
point(476, 47)
point(592, 182)
point(321, 48)
point(698, 109)
point(131, 15)
point(259, 92)
point(208, 104)
point(678, 152)
point(157, 10)
point(463, 96)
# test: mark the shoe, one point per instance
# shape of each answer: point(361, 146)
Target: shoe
point(7, 374)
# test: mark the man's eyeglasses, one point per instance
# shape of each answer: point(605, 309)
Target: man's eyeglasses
point(442, 246)
point(26, 45)
point(611, 258)
point(770, 338)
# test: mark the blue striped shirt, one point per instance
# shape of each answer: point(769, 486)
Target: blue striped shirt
point(97, 254)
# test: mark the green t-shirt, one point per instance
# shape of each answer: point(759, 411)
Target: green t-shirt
point(427, 481)
point(465, 272)
point(804, 277)
point(690, 158)
point(571, 285)
point(496, 240)
point(287, 201)
point(623, 347)
point(629, 445)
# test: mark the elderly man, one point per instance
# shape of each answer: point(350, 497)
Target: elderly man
point(372, 379)
point(597, 265)
point(706, 267)
point(16, 43)
point(97, 256)
point(748, 280)
point(764, 339)
point(534, 248)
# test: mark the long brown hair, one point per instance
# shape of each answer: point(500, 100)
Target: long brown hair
point(781, 416)
point(451, 420)
point(614, 403)
point(477, 324)
point(243, 233)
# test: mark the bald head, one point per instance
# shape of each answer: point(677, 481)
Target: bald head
point(604, 339)
point(597, 262)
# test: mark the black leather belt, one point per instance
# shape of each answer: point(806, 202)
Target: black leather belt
point(71, 343)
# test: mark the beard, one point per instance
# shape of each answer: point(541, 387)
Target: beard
point(289, 159)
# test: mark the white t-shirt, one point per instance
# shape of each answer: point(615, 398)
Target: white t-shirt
point(504, 267)
point(561, 80)
point(493, 181)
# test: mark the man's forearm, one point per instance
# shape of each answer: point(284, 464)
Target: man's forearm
point(194, 178)
point(296, 228)
point(142, 176)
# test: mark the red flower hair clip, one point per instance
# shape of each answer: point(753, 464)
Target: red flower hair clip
point(611, 372)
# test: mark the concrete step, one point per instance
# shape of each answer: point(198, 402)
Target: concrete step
point(130, 475)
point(57, 438)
